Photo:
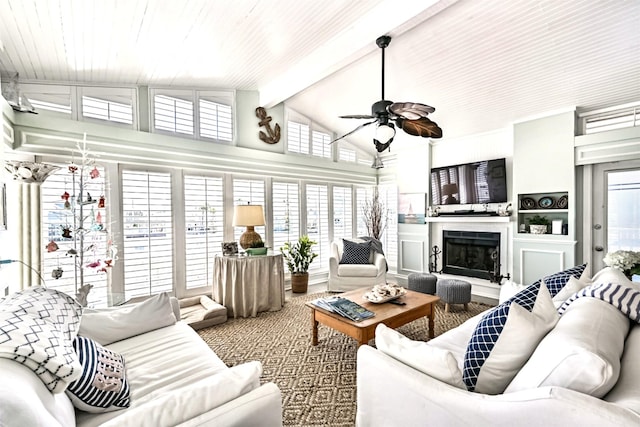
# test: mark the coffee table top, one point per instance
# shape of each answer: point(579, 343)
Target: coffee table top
point(384, 311)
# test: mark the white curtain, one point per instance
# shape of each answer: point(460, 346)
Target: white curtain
point(27, 214)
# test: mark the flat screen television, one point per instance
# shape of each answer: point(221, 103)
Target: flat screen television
point(469, 183)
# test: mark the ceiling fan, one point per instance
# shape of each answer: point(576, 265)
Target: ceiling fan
point(408, 116)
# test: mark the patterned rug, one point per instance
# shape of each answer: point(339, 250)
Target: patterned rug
point(318, 383)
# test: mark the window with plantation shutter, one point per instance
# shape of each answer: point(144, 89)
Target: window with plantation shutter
point(204, 227)
point(286, 213)
point(318, 224)
point(342, 215)
point(297, 137)
point(48, 97)
point(173, 114)
point(320, 144)
point(147, 233)
point(216, 120)
point(347, 155)
point(247, 191)
point(55, 216)
point(103, 109)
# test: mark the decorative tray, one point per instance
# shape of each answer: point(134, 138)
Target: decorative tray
point(384, 293)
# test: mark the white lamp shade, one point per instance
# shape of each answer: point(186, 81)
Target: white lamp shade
point(248, 216)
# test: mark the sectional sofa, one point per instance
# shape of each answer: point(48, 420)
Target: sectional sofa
point(135, 365)
point(568, 359)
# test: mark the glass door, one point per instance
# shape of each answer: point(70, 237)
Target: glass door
point(616, 210)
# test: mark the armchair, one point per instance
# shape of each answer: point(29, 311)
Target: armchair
point(346, 277)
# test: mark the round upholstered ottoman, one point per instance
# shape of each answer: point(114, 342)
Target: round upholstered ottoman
point(422, 282)
point(453, 291)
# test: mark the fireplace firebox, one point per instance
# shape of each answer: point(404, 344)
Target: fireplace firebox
point(470, 253)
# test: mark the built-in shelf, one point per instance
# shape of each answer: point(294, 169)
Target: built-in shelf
point(553, 206)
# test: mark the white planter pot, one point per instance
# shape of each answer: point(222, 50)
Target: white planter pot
point(538, 229)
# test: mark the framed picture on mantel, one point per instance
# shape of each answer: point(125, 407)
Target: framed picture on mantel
point(412, 208)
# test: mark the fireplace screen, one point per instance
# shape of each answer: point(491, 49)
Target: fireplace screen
point(470, 253)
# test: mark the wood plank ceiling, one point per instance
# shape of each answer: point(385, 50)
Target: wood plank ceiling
point(482, 63)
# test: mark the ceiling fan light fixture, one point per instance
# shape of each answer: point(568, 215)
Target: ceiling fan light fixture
point(385, 132)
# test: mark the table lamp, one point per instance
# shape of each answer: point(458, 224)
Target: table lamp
point(248, 216)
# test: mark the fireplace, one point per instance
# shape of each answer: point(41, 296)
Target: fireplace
point(470, 253)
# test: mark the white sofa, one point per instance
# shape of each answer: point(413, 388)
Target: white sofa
point(583, 372)
point(347, 277)
point(174, 377)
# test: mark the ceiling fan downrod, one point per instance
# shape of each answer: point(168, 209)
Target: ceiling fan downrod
point(383, 42)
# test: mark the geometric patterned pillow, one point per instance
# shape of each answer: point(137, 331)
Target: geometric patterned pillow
point(505, 338)
point(490, 328)
point(103, 385)
point(355, 253)
point(557, 281)
point(49, 305)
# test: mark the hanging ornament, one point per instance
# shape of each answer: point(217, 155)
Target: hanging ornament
point(66, 232)
point(94, 264)
point(73, 168)
point(57, 273)
point(99, 218)
point(52, 246)
point(101, 201)
point(65, 195)
point(67, 205)
point(95, 173)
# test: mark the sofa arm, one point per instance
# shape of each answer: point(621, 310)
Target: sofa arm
point(380, 261)
point(392, 393)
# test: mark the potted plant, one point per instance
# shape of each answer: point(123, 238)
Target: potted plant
point(298, 256)
point(538, 224)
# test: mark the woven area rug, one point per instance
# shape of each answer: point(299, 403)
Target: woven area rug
point(318, 383)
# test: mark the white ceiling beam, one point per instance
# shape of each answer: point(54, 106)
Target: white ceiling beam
point(390, 16)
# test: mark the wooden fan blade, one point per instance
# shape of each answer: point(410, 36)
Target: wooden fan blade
point(410, 110)
point(421, 127)
point(358, 116)
point(353, 131)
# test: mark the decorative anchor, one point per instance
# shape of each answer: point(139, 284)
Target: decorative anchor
point(495, 276)
point(433, 266)
point(274, 134)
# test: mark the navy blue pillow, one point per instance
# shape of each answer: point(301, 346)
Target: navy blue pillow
point(491, 325)
point(103, 385)
point(355, 253)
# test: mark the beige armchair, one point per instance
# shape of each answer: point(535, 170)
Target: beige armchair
point(346, 277)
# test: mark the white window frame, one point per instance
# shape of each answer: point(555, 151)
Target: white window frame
point(111, 95)
point(224, 97)
point(293, 116)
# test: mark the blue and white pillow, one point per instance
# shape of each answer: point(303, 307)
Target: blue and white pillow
point(507, 335)
point(103, 385)
point(355, 253)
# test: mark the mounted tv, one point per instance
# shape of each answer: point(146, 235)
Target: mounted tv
point(469, 183)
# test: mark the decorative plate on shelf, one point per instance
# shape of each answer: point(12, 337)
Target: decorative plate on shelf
point(563, 202)
point(527, 203)
point(546, 202)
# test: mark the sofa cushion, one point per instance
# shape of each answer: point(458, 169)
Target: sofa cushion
point(581, 353)
point(355, 252)
point(357, 270)
point(107, 326)
point(505, 338)
point(103, 385)
point(433, 361)
point(557, 281)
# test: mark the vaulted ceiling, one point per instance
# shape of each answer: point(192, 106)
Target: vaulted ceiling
point(481, 63)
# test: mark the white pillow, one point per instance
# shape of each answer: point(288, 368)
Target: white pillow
point(573, 285)
point(117, 323)
point(433, 361)
point(581, 353)
point(613, 275)
point(505, 338)
point(626, 392)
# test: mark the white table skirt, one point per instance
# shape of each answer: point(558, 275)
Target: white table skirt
point(248, 285)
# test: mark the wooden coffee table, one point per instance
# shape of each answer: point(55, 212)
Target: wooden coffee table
point(417, 305)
